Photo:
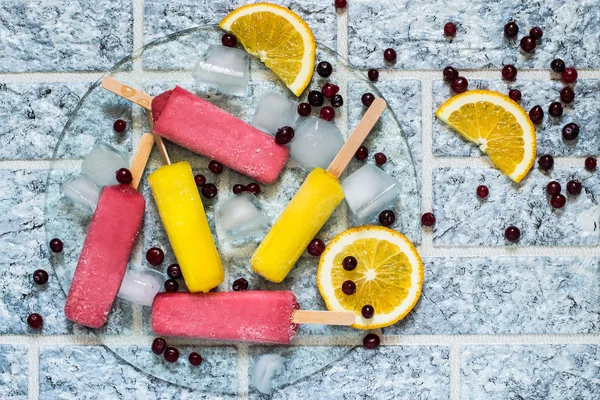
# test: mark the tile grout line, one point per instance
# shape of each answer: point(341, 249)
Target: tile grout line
point(33, 359)
point(455, 372)
point(243, 371)
point(426, 161)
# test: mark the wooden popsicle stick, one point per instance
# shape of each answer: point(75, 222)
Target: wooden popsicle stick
point(323, 317)
point(162, 150)
point(361, 131)
point(141, 158)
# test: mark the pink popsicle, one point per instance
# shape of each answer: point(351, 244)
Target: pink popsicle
point(106, 250)
point(249, 316)
point(204, 128)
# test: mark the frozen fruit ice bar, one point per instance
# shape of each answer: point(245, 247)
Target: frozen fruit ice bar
point(248, 316)
point(204, 128)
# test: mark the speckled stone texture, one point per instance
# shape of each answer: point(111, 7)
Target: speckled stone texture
point(48, 35)
point(548, 372)
point(462, 219)
point(446, 142)
point(506, 295)
point(13, 372)
point(415, 30)
point(70, 372)
point(397, 372)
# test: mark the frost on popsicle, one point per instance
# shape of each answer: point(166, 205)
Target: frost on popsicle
point(141, 287)
point(82, 191)
point(225, 69)
point(316, 143)
point(239, 219)
point(102, 163)
point(368, 191)
point(274, 111)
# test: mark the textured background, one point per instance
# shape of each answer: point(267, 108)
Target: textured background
point(494, 322)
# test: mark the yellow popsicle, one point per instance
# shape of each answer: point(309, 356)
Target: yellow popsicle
point(304, 216)
point(183, 217)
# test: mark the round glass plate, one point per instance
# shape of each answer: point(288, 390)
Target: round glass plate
point(155, 68)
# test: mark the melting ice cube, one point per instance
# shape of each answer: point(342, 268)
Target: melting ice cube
point(140, 287)
point(82, 191)
point(274, 111)
point(316, 143)
point(102, 163)
point(239, 218)
point(225, 69)
point(267, 367)
point(369, 191)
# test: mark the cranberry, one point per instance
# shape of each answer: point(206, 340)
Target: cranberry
point(362, 153)
point(324, 69)
point(546, 162)
point(515, 94)
point(558, 201)
point(171, 354)
point(349, 263)
point(528, 44)
point(349, 288)
point(511, 29)
point(229, 40)
point(459, 84)
point(570, 131)
point(373, 75)
point(449, 29)
point(367, 99)
point(553, 188)
point(159, 345)
point(238, 188)
point(590, 163)
point(304, 109)
point(574, 187)
point(428, 219)
point(316, 247)
point(200, 180)
point(40, 277)
point(450, 74)
point(557, 65)
point(284, 135)
point(119, 126)
point(209, 190)
point(387, 218)
point(195, 358)
point(155, 256)
point(371, 341)
point(315, 98)
point(56, 245)
point(215, 167)
point(509, 72)
point(329, 90)
point(174, 271)
point(483, 191)
point(124, 176)
point(253, 188)
point(367, 311)
point(341, 3)
point(327, 113)
point(380, 158)
point(536, 114)
point(569, 75)
point(35, 321)
point(389, 54)
point(337, 101)
point(555, 109)
point(512, 233)
point(171, 285)
point(567, 95)
point(536, 33)
point(240, 284)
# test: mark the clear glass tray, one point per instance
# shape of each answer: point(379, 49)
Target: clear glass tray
point(159, 66)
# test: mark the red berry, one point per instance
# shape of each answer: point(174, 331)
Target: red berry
point(512, 233)
point(253, 188)
point(528, 44)
point(341, 3)
point(373, 75)
point(558, 201)
point(215, 167)
point(590, 163)
point(159, 345)
point(171, 354)
point(35, 321)
point(553, 188)
point(567, 95)
point(557, 65)
point(536, 114)
point(304, 109)
point(327, 113)
point(119, 126)
point(546, 162)
point(371, 341)
point(155, 256)
point(195, 358)
point(316, 98)
point(229, 40)
point(349, 263)
point(337, 101)
point(569, 75)
point(380, 158)
point(450, 74)
point(171, 285)
point(329, 90)
point(316, 247)
point(239, 285)
point(509, 72)
point(570, 131)
point(40, 277)
point(555, 109)
point(367, 99)
point(174, 271)
point(449, 29)
point(459, 84)
point(238, 188)
point(514, 94)
point(428, 219)
point(349, 288)
point(387, 218)
point(362, 153)
point(324, 69)
point(284, 135)
point(536, 33)
point(200, 180)
point(367, 311)
point(56, 245)
point(124, 176)
point(389, 54)
point(209, 190)
point(511, 29)
point(483, 191)
point(574, 187)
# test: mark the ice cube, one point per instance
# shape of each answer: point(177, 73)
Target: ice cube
point(316, 143)
point(225, 69)
point(266, 368)
point(82, 191)
point(274, 111)
point(239, 218)
point(102, 163)
point(140, 287)
point(369, 191)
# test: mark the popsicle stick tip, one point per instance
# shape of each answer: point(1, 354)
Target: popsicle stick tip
point(135, 96)
point(323, 317)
